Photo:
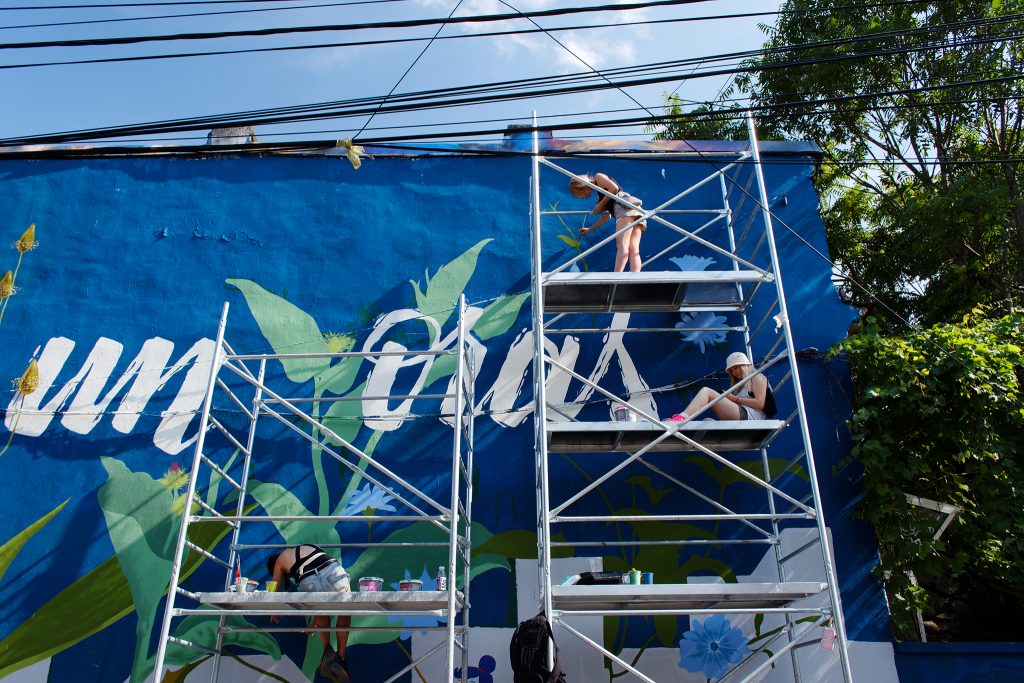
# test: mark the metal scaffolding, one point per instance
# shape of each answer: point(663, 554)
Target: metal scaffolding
point(752, 280)
point(241, 379)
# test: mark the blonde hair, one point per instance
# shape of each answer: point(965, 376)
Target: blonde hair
point(580, 189)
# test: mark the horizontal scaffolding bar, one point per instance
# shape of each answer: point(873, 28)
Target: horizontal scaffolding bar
point(678, 518)
point(341, 399)
point(630, 544)
point(188, 643)
point(340, 354)
point(187, 593)
point(381, 544)
point(334, 629)
point(597, 330)
point(199, 501)
point(215, 611)
point(698, 612)
point(320, 518)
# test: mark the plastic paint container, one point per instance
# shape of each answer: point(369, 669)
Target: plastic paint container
point(370, 584)
point(244, 585)
point(647, 578)
point(410, 585)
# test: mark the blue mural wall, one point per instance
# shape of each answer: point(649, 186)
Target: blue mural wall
point(115, 305)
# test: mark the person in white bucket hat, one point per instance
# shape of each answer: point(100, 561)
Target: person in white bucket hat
point(742, 403)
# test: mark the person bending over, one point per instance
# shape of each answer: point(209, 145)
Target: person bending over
point(314, 571)
point(625, 209)
point(743, 403)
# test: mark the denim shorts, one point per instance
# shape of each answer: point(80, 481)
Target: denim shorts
point(331, 579)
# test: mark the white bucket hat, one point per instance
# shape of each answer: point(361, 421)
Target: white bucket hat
point(737, 358)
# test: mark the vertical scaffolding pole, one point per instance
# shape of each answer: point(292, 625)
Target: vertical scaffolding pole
point(826, 552)
point(539, 394)
point(240, 509)
point(179, 549)
point(453, 545)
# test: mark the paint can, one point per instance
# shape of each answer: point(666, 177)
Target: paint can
point(646, 578)
point(370, 584)
point(410, 585)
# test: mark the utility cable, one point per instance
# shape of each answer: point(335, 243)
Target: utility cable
point(391, 41)
point(206, 122)
point(196, 14)
point(406, 72)
point(107, 5)
point(401, 23)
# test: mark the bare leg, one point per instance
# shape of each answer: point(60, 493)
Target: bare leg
point(634, 249)
point(621, 245)
point(325, 636)
point(343, 622)
point(724, 409)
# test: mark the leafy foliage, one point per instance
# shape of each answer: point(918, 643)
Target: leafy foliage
point(940, 416)
point(904, 100)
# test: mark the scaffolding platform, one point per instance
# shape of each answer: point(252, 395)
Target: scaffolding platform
point(653, 292)
point(339, 603)
point(681, 597)
point(629, 437)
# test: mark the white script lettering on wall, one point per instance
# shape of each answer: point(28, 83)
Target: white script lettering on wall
point(83, 400)
point(151, 371)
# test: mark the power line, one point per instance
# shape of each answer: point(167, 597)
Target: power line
point(393, 41)
point(406, 72)
point(414, 101)
point(198, 14)
point(402, 23)
point(152, 4)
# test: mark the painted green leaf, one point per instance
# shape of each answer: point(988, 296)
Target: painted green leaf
point(654, 494)
point(575, 244)
point(10, 549)
point(519, 543)
point(277, 500)
point(443, 366)
point(443, 290)
point(339, 378)
point(344, 418)
point(287, 328)
point(97, 599)
point(499, 316)
point(142, 529)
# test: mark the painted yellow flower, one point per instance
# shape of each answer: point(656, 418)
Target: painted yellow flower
point(7, 285)
point(29, 381)
point(339, 343)
point(27, 242)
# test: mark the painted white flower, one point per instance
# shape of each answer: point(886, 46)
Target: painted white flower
point(690, 262)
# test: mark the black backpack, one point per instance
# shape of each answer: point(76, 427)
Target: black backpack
point(529, 654)
point(770, 409)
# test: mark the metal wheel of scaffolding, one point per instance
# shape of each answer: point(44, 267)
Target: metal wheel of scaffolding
point(752, 277)
point(241, 380)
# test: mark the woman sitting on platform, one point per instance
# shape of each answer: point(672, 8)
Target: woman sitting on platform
point(626, 210)
point(746, 402)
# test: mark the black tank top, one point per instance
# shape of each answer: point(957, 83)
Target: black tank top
point(307, 564)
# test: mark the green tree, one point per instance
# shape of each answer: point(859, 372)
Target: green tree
point(910, 212)
point(940, 415)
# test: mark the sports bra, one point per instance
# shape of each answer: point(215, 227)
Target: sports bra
point(314, 560)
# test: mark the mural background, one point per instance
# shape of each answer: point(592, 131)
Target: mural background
point(116, 303)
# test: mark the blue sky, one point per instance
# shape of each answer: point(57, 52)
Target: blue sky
point(51, 99)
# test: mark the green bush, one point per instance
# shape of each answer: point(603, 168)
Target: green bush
point(940, 415)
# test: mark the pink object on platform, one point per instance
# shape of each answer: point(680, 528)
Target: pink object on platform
point(678, 417)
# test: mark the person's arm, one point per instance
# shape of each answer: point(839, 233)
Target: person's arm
point(759, 385)
point(603, 200)
point(597, 224)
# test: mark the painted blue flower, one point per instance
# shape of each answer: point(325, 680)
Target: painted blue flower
point(368, 500)
point(481, 672)
point(690, 262)
point(702, 337)
point(416, 621)
point(711, 647)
